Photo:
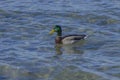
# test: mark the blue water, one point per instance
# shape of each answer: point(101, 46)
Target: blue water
point(28, 52)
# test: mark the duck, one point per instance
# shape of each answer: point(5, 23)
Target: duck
point(68, 39)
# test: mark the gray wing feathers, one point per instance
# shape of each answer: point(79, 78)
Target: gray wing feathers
point(72, 38)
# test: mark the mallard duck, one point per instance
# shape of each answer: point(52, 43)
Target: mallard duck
point(68, 39)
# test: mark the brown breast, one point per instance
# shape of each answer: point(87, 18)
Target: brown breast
point(58, 39)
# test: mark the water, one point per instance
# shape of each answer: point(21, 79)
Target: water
point(28, 52)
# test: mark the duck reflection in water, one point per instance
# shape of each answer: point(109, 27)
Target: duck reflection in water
point(70, 48)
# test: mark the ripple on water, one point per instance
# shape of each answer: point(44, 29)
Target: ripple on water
point(27, 51)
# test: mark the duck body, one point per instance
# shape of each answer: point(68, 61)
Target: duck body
point(68, 39)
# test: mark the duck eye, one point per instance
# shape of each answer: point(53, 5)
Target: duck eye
point(56, 29)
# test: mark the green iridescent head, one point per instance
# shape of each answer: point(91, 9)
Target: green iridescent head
point(57, 29)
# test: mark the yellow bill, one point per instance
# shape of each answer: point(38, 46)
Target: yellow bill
point(52, 31)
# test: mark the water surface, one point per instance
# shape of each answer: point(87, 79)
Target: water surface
point(28, 52)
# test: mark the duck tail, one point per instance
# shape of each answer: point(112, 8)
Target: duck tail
point(85, 36)
point(89, 33)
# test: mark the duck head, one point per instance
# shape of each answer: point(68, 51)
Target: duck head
point(56, 29)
